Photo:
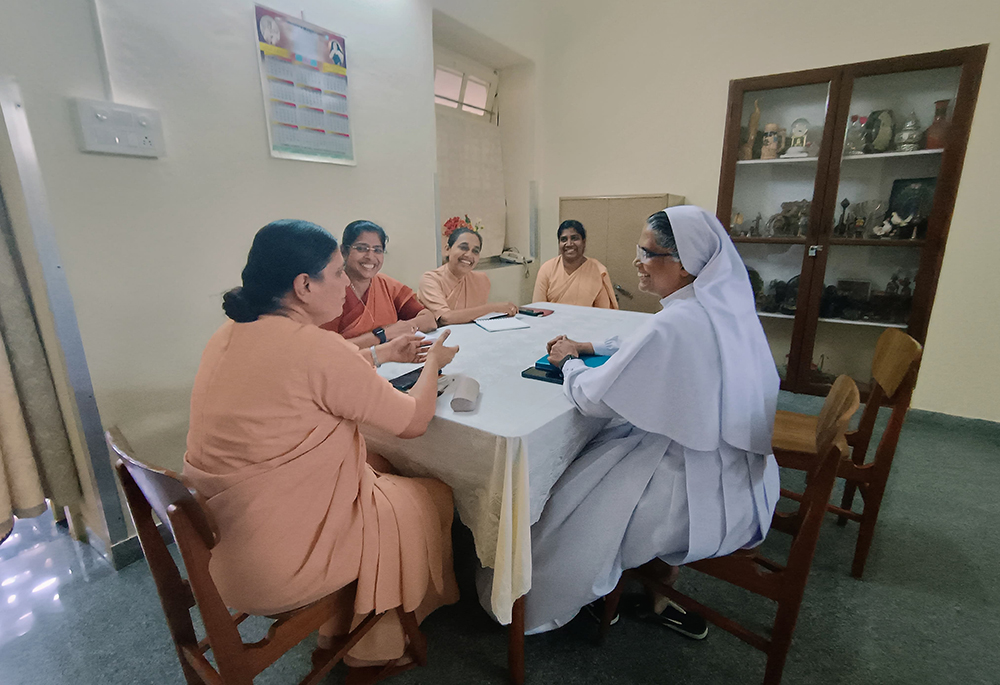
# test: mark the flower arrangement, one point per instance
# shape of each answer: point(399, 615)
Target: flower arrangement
point(456, 222)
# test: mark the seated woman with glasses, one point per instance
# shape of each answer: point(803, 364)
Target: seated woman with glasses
point(377, 308)
point(684, 470)
point(573, 277)
point(454, 292)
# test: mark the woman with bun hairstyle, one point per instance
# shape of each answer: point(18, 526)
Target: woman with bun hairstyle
point(275, 449)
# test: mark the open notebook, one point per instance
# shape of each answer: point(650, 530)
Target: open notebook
point(500, 322)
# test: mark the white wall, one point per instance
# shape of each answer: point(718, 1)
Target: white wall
point(150, 245)
point(634, 101)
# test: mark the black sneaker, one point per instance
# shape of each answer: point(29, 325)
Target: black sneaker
point(687, 623)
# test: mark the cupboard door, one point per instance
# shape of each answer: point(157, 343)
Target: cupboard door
point(889, 164)
point(772, 198)
point(592, 212)
point(626, 219)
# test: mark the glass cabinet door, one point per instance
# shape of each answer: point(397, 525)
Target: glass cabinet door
point(891, 156)
point(772, 212)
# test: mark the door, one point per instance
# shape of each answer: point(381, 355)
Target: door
point(613, 225)
point(626, 218)
point(772, 193)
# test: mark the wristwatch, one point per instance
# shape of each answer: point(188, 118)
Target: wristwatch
point(380, 334)
point(562, 362)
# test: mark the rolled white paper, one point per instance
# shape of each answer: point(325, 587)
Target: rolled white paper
point(466, 393)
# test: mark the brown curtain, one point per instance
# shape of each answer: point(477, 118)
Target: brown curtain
point(36, 460)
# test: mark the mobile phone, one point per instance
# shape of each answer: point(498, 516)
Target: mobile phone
point(540, 375)
point(528, 311)
point(407, 380)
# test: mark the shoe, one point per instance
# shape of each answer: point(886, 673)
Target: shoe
point(687, 623)
point(596, 611)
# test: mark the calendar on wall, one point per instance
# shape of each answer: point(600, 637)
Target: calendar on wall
point(303, 74)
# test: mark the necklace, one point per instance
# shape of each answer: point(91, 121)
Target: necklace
point(356, 292)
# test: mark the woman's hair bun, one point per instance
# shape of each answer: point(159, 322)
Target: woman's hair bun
point(237, 307)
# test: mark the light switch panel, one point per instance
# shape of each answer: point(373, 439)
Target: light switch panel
point(116, 129)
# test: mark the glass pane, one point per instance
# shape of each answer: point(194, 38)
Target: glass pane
point(473, 110)
point(888, 174)
point(772, 195)
point(447, 84)
point(446, 103)
point(476, 93)
point(774, 276)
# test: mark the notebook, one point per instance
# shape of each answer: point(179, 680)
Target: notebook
point(504, 324)
point(592, 361)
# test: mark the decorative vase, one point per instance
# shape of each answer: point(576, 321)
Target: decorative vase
point(908, 138)
point(937, 132)
point(854, 142)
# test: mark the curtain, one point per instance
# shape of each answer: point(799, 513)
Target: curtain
point(470, 175)
point(36, 460)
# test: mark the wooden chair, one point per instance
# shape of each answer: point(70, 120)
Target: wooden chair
point(751, 571)
point(894, 372)
point(149, 489)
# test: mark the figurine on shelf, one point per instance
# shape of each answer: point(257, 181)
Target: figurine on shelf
point(893, 286)
point(854, 141)
point(792, 220)
point(908, 138)
point(841, 228)
point(736, 224)
point(774, 141)
point(905, 288)
point(798, 135)
point(746, 150)
point(755, 226)
point(880, 129)
point(884, 230)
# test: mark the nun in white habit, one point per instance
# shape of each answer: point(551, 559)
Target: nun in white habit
point(684, 470)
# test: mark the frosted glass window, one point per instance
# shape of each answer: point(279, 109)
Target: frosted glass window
point(476, 93)
point(447, 84)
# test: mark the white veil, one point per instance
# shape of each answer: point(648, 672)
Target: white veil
point(722, 286)
point(665, 379)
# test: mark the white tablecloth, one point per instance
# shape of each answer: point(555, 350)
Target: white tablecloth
point(502, 459)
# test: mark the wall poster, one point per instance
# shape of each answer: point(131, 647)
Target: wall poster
point(303, 74)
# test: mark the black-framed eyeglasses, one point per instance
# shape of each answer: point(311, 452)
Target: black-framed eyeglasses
point(646, 256)
point(361, 248)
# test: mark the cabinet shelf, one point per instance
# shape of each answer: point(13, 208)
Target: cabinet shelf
point(876, 242)
point(779, 160)
point(890, 155)
point(850, 322)
point(769, 241)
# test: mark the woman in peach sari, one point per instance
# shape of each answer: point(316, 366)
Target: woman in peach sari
point(454, 292)
point(275, 448)
point(378, 308)
point(572, 277)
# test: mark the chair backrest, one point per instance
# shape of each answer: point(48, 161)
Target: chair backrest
point(841, 403)
point(894, 371)
point(147, 489)
point(163, 488)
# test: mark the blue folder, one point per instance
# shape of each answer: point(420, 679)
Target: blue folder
point(590, 360)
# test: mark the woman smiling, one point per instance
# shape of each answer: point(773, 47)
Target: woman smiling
point(454, 292)
point(377, 308)
point(572, 277)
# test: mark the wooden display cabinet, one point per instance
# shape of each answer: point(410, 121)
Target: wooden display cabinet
point(834, 275)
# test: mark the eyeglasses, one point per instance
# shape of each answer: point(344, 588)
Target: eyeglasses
point(645, 256)
point(361, 248)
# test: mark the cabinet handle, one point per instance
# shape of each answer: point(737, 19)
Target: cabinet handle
point(624, 292)
point(814, 250)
